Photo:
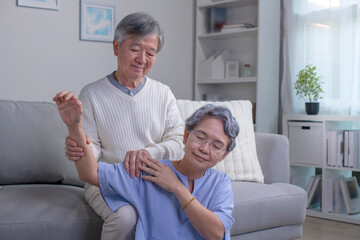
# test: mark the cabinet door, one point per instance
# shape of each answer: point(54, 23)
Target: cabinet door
point(306, 143)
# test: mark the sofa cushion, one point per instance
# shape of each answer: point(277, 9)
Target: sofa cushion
point(46, 211)
point(242, 163)
point(32, 145)
point(265, 206)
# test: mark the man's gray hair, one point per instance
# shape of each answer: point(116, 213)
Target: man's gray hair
point(231, 126)
point(141, 26)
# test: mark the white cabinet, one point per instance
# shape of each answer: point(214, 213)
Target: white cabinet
point(258, 47)
point(311, 147)
point(306, 142)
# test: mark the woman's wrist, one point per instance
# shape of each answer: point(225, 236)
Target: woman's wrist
point(76, 132)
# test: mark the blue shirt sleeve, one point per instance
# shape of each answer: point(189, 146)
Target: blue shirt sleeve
point(117, 187)
point(222, 203)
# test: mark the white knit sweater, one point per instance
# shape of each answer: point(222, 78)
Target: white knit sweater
point(117, 122)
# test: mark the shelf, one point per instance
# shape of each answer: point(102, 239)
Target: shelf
point(236, 33)
point(314, 212)
point(305, 165)
point(244, 45)
point(228, 80)
point(303, 117)
point(311, 127)
point(355, 219)
point(343, 168)
point(227, 3)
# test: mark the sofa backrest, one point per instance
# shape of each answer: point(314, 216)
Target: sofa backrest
point(32, 141)
point(242, 163)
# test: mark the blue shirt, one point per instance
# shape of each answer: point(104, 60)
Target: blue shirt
point(160, 213)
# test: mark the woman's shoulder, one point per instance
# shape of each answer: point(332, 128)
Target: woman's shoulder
point(211, 172)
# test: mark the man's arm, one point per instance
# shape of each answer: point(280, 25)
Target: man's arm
point(171, 145)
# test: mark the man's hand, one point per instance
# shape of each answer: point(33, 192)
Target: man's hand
point(132, 161)
point(69, 106)
point(72, 151)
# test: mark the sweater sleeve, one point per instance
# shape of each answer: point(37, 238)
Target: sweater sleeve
point(171, 145)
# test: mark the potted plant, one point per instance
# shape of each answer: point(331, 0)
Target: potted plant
point(308, 87)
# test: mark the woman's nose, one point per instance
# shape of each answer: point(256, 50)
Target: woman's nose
point(205, 147)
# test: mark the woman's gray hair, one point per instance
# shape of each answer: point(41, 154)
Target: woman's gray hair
point(231, 126)
point(141, 25)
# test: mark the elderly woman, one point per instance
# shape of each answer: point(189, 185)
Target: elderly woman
point(183, 199)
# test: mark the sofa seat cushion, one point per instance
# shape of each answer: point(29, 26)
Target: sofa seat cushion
point(40, 211)
point(265, 206)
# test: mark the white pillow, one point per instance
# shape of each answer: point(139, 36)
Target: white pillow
point(242, 162)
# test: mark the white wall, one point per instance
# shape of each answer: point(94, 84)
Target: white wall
point(41, 54)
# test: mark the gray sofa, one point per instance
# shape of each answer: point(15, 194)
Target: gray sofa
point(41, 196)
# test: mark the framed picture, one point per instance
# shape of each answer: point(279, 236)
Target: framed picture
point(47, 4)
point(232, 69)
point(97, 21)
point(350, 190)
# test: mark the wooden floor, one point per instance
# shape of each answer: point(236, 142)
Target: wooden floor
point(322, 229)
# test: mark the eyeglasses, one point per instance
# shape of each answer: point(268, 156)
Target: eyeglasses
point(215, 145)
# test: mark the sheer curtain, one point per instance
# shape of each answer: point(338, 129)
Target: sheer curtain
point(325, 33)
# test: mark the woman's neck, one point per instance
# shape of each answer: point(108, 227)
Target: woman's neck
point(187, 170)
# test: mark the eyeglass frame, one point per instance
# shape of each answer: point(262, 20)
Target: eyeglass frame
point(212, 147)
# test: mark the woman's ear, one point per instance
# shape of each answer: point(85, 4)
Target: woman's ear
point(186, 135)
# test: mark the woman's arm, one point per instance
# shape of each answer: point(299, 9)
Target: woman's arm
point(70, 109)
point(206, 223)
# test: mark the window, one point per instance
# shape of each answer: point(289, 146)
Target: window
point(327, 34)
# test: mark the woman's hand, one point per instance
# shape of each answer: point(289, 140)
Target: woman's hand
point(160, 174)
point(69, 106)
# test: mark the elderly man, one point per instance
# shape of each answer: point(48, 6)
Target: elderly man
point(129, 116)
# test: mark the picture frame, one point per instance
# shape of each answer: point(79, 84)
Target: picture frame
point(45, 4)
point(350, 191)
point(231, 69)
point(97, 21)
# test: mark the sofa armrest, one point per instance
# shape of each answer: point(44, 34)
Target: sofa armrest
point(273, 154)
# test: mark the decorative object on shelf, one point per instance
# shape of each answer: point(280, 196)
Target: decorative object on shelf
point(216, 19)
point(232, 69)
point(47, 4)
point(351, 195)
point(236, 27)
point(214, 66)
point(308, 87)
point(315, 191)
point(97, 21)
point(246, 71)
